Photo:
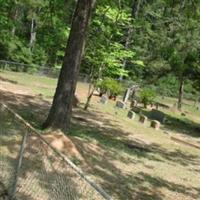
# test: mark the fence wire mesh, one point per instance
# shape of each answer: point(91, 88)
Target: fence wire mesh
point(37, 70)
point(30, 169)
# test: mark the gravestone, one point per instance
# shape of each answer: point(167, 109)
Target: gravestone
point(120, 104)
point(155, 124)
point(131, 115)
point(157, 115)
point(136, 110)
point(133, 103)
point(104, 99)
point(143, 118)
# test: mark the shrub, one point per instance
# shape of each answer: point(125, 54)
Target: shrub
point(109, 85)
point(147, 96)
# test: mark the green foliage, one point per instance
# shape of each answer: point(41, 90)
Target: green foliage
point(106, 50)
point(148, 42)
point(147, 96)
point(51, 21)
point(110, 85)
point(169, 84)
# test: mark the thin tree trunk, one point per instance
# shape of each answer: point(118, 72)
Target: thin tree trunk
point(127, 43)
point(32, 33)
point(89, 99)
point(60, 113)
point(135, 10)
point(181, 91)
point(14, 17)
point(90, 89)
point(91, 80)
point(13, 30)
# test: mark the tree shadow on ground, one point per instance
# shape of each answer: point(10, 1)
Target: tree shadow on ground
point(126, 186)
point(157, 182)
point(115, 139)
point(122, 186)
point(110, 139)
point(183, 125)
point(32, 108)
point(43, 174)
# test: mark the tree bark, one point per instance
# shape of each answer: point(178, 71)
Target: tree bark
point(32, 33)
point(180, 96)
point(60, 113)
point(89, 99)
point(14, 16)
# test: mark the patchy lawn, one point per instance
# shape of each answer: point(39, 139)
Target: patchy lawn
point(162, 170)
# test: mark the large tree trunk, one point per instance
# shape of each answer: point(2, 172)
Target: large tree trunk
point(180, 95)
point(60, 112)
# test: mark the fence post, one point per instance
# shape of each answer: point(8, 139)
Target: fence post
point(19, 163)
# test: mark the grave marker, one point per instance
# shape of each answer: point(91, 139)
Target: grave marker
point(143, 118)
point(104, 99)
point(131, 115)
point(136, 110)
point(133, 103)
point(120, 104)
point(155, 124)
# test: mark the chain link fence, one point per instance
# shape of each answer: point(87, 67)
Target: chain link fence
point(37, 70)
point(31, 169)
point(51, 72)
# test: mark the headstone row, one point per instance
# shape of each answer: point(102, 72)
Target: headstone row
point(157, 116)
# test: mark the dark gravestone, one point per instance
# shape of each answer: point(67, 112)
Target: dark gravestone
point(136, 110)
point(143, 119)
point(120, 104)
point(157, 115)
point(131, 115)
point(155, 124)
point(133, 103)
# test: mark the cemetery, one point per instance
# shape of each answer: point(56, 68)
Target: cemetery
point(119, 130)
point(99, 100)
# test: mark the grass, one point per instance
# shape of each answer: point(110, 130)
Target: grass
point(187, 106)
point(35, 83)
point(166, 171)
point(49, 175)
